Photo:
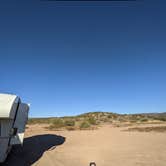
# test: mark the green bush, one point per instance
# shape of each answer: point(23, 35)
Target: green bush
point(92, 121)
point(57, 123)
point(70, 128)
point(143, 120)
point(161, 118)
point(109, 116)
point(69, 123)
point(84, 125)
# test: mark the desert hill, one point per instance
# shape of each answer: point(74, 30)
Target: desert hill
point(92, 120)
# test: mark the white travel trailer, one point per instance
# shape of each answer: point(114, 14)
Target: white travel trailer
point(13, 118)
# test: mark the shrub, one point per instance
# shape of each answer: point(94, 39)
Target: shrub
point(143, 120)
point(69, 123)
point(84, 125)
point(92, 121)
point(70, 128)
point(161, 118)
point(109, 116)
point(133, 121)
point(57, 123)
point(105, 120)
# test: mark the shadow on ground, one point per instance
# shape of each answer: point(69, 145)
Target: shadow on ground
point(33, 149)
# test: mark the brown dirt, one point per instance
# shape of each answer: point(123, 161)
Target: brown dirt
point(107, 146)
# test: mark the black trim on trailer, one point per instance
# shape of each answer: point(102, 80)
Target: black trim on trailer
point(19, 101)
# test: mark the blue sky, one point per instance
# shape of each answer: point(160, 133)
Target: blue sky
point(67, 60)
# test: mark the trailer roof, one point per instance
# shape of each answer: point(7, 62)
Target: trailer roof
point(8, 105)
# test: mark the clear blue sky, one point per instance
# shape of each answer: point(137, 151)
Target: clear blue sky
point(67, 60)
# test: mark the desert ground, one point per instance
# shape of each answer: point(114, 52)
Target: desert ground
point(106, 146)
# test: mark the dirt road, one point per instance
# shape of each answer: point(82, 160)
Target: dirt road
point(107, 146)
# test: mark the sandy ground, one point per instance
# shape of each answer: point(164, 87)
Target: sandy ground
point(107, 146)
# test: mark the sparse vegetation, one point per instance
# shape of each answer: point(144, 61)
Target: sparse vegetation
point(70, 128)
point(69, 123)
point(40, 120)
point(56, 124)
point(148, 129)
point(84, 125)
point(143, 120)
point(160, 118)
point(93, 119)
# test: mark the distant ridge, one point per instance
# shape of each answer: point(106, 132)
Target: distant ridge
point(107, 117)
